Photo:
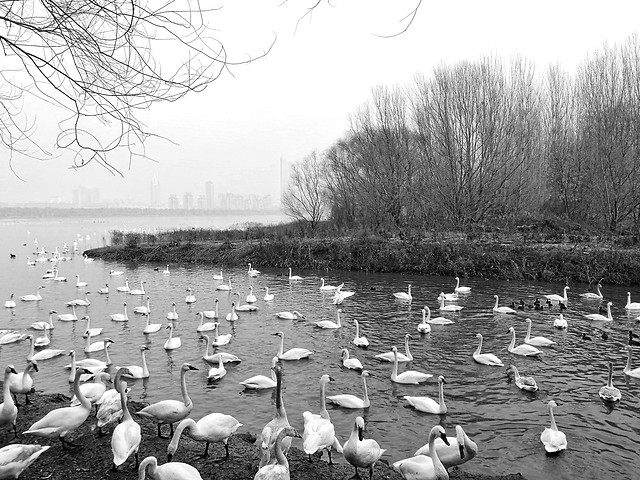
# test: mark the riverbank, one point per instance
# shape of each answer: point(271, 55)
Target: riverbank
point(503, 259)
point(94, 460)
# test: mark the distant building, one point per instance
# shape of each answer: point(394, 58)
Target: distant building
point(154, 192)
point(208, 192)
point(173, 202)
point(201, 202)
point(187, 201)
point(86, 197)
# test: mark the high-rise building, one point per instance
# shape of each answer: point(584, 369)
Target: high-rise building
point(187, 201)
point(173, 202)
point(208, 192)
point(154, 192)
point(201, 202)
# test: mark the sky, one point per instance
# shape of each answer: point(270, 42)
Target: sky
point(298, 98)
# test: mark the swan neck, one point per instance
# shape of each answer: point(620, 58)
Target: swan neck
point(513, 340)
point(183, 388)
point(323, 401)
point(496, 303)
point(406, 349)
point(280, 411)
point(441, 399)
point(6, 390)
point(610, 376)
point(184, 424)
point(281, 459)
point(338, 318)
point(528, 337)
point(365, 393)
point(126, 415)
point(143, 467)
point(477, 352)
point(553, 420)
point(106, 352)
point(437, 464)
point(79, 395)
point(145, 369)
point(394, 372)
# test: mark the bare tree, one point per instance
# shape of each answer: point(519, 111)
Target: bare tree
point(304, 199)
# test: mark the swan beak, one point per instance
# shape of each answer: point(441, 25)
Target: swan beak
point(13, 370)
point(444, 438)
point(146, 348)
point(169, 457)
point(461, 447)
point(191, 367)
point(296, 434)
point(35, 366)
point(331, 379)
point(360, 433)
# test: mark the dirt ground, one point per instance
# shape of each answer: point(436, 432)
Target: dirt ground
point(94, 460)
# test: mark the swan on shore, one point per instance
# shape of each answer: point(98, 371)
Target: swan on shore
point(361, 452)
point(22, 382)
point(15, 458)
point(425, 466)
point(168, 471)
point(460, 450)
point(319, 433)
point(279, 467)
point(8, 408)
point(212, 428)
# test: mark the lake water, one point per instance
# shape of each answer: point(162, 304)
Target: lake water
point(504, 421)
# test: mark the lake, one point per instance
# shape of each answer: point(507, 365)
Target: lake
point(504, 421)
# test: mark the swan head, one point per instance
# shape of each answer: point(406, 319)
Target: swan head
point(108, 341)
point(438, 431)
point(365, 373)
point(144, 348)
point(295, 312)
point(441, 379)
point(204, 337)
point(324, 379)
point(10, 369)
point(359, 424)
point(552, 404)
point(51, 312)
point(528, 320)
point(278, 334)
point(187, 366)
point(34, 364)
point(86, 317)
point(511, 330)
point(72, 353)
point(407, 335)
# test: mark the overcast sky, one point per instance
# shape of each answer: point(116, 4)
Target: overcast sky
point(299, 97)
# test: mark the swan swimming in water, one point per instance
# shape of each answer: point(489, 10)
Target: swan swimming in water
point(226, 357)
point(593, 296)
point(524, 349)
point(390, 357)
point(327, 288)
point(359, 341)
point(635, 372)
point(190, 298)
point(448, 308)
point(347, 400)
point(295, 353)
point(212, 314)
point(69, 317)
point(120, 317)
point(404, 296)
point(600, 317)
point(125, 288)
point(261, 382)
point(423, 327)
point(289, 315)
point(361, 452)
point(553, 439)
point(10, 303)
point(554, 297)
point(608, 392)
point(486, 358)
point(172, 342)
point(251, 298)
point(172, 315)
point(204, 327)
point(252, 272)
point(348, 362)
point(523, 383)
point(80, 302)
point(42, 325)
point(216, 373)
point(33, 298)
point(504, 310)
point(428, 405)
point(135, 371)
point(143, 309)
point(151, 327)
point(560, 322)
point(437, 320)
point(225, 287)
point(329, 324)
point(80, 284)
point(409, 376)
point(461, 289)
point(212, 428)
point(536, 341)
point(94, 332)
point(294, 278)
point(268, 297)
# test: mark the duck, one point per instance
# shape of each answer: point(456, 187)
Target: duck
point(168, 471)
point(423, 327)
point(553, 439)
point(232, 316)
point(329, 324)
point(143, 309)
point(251, 298)
point(226, 357)
point(448, 308)
point(8, 408)
point(252, 272)
point(212, 428)
point(437, 320)
point(171, 411)
point(349, 362)
point(460, 450)
point(600, 317)
point(60, 422)
point(279, 468)
point(22, 383)
point(110, 405)
point(125, 288)
point(16, 458)
point(359, 341)
point(402, 357)
point(294, 278)
point(190, 298)
point(293, 353)
point(404, 296)
point(504, 310)
point(608, 392)
point(486, 358)
point(204, 327)
point(104, 290)
point(524, 349)
point(319, 433)
point(554, 297)
point(69, 317)
point(218, 276)
point(94, 332)
point(126, 437)
point(295, 315)
point(212, 314)
point(172, 315)
point(10, 303)
point(560, 323)
point(425, 467)
point(347, 400)
point(409, 376)
point(428, 405)
point(42, 325)
point(135, 371)
point(115, 273)
point(268, 297)
point(635, 372)
point(536, 341)
point(151, 327)
point(33, 298)
point(216, 373)
point(172, 342)
point(80, 302)
point(270, 431)
point(461, 289)
point(262, 382)
point(80, 284)
point(593, 296)
point(361, 452)
point(523, 383)
point(120, 317)
point(43, 341)
point(225, 287)
point(327, 288)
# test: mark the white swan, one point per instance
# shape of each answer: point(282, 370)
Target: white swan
point(486, 358)
point(42, 341)
point(293, 353)
point(168, 471)
point(225, 287)
point(268, 297)
point(560, 322)
point(279, 468)
point(31, 263)
point(635, 372)
point(232, 316)
point(204, 327)
point(33, 298)
point(94, 332)
point(80, 302)
point(339, 296)
point(329, 324)
point(608, 392)
point(409, 376)
point(190, 298)
point(151, 327)
point(289, 315)
point(22, 382)
point(424, 327)
point(8, 408)
point(80, 284)
point(58, 278)
point(69, 317)
point(523, 383)
point(172, 342)
point(125, 288)
point(390, 357)
point(524, 349)
point(135, 371)
point(631, 305)
point(10, 303)
point(172, 315)
point(171, 411)
point(429, 405)
point(261, 382)
point(252, 272)
point(319, 433)
point(110, 405)
point(359, 341)
point(42, 325)
point(460, 450)
point(327, 288)
point(87, 259)
point(269, 434)
point(404, 296)
point(120, 317)
point(14, 459)
point(93, 391)
point(349, 362)
point(593, 296)
point(423, 467)
point(104, 290)
point(554, 297)
point(92, 364)
point(536, 341)
point(361, 452)
point(346, 400)
point(212, 314)
point(11, 337)
point(220, 340)
point(602, 318)
point(95, 346)
point(553, 439)
point(216, 373)
point(251, 298)
point(143, 309)
point(212, 428)
point(461, 289)
point(448, 308)
point(45, 354)
point(138, 291)
point(504, 310)
point(437, 320)
point(126, 437)
point(294, 278)
point(217, 276)
point(449, 297)
point(226, 357)
point(115, 273)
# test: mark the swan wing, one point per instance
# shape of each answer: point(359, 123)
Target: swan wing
point(346, 400)
point(415, 468)
point(125, 440)
point(423, 404)
point(166, 411)
point(258, 382)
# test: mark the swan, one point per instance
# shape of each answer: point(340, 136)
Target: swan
point(104, 290)
point(536, 341)
point(329, 324)
point(168, 471)
point(486, 358)
point(327, 288)
point(429, 405)
point(93, 391)
point(14, 459)
point(79, 302)
point(247, 307)
point(593, 296)
point(523, 383)
point(212, 428)
point(31, 263)
point(559, 298)
point(69, 317)
point(80, 284)
point(220, 340)
point(23, 382)
point(390, 357)
point(295, 315)
point(212, 314)
point(92, 364)
point(361, 452)
point(292, 353)
point(143, 309)
point(58, 278)
point(505, 310)
point(252, 272)
point(190, 298)
point(524, 349)
point(120, 317)
point(95, 346)
point(404, 296)
point(225, 287)
point(216, 373)
point(340, 296)
point(218, 276)
point(127, 435)
point(41, 325)
point(125, 288)
point(204, 327)
point(553, 439)
point(215, 358)
point(423, 467)
point(110, 405)
point(449, 297)
point(600, 317)
point(43, 341)
point(261, 382)
point(11, 337)
point(115, 273)
point(461, 289)
point(348, 362)
point(166, 271)
point(635, 373)
point(319, 433)
point(268, 297)
point(48, 274)
point(91, 331)
point(448, 308)
point(172, 342)
point(87, 259)
point(138, 291)
point(359, 341)
point(135, 371)
point(278, 469)
point(410, 376)
point(270, 431)
point(172, 314)
point(346, 400)
point(294, 278)
point(424, 327)
point(631, 305)
point(171, 411)
point(460, 450)
point(10, 303)
point(437, 320)
point(8, 408)
point(33, 298)
point(251, 298)
point(232, 316)
point(151, 327)
point(560, 322)
point(60, 422)
point(609, 393)
point(45, 354)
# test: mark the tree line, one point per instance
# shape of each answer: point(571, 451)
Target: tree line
point(485, 142)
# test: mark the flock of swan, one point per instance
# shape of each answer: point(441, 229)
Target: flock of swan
point(430, 461)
